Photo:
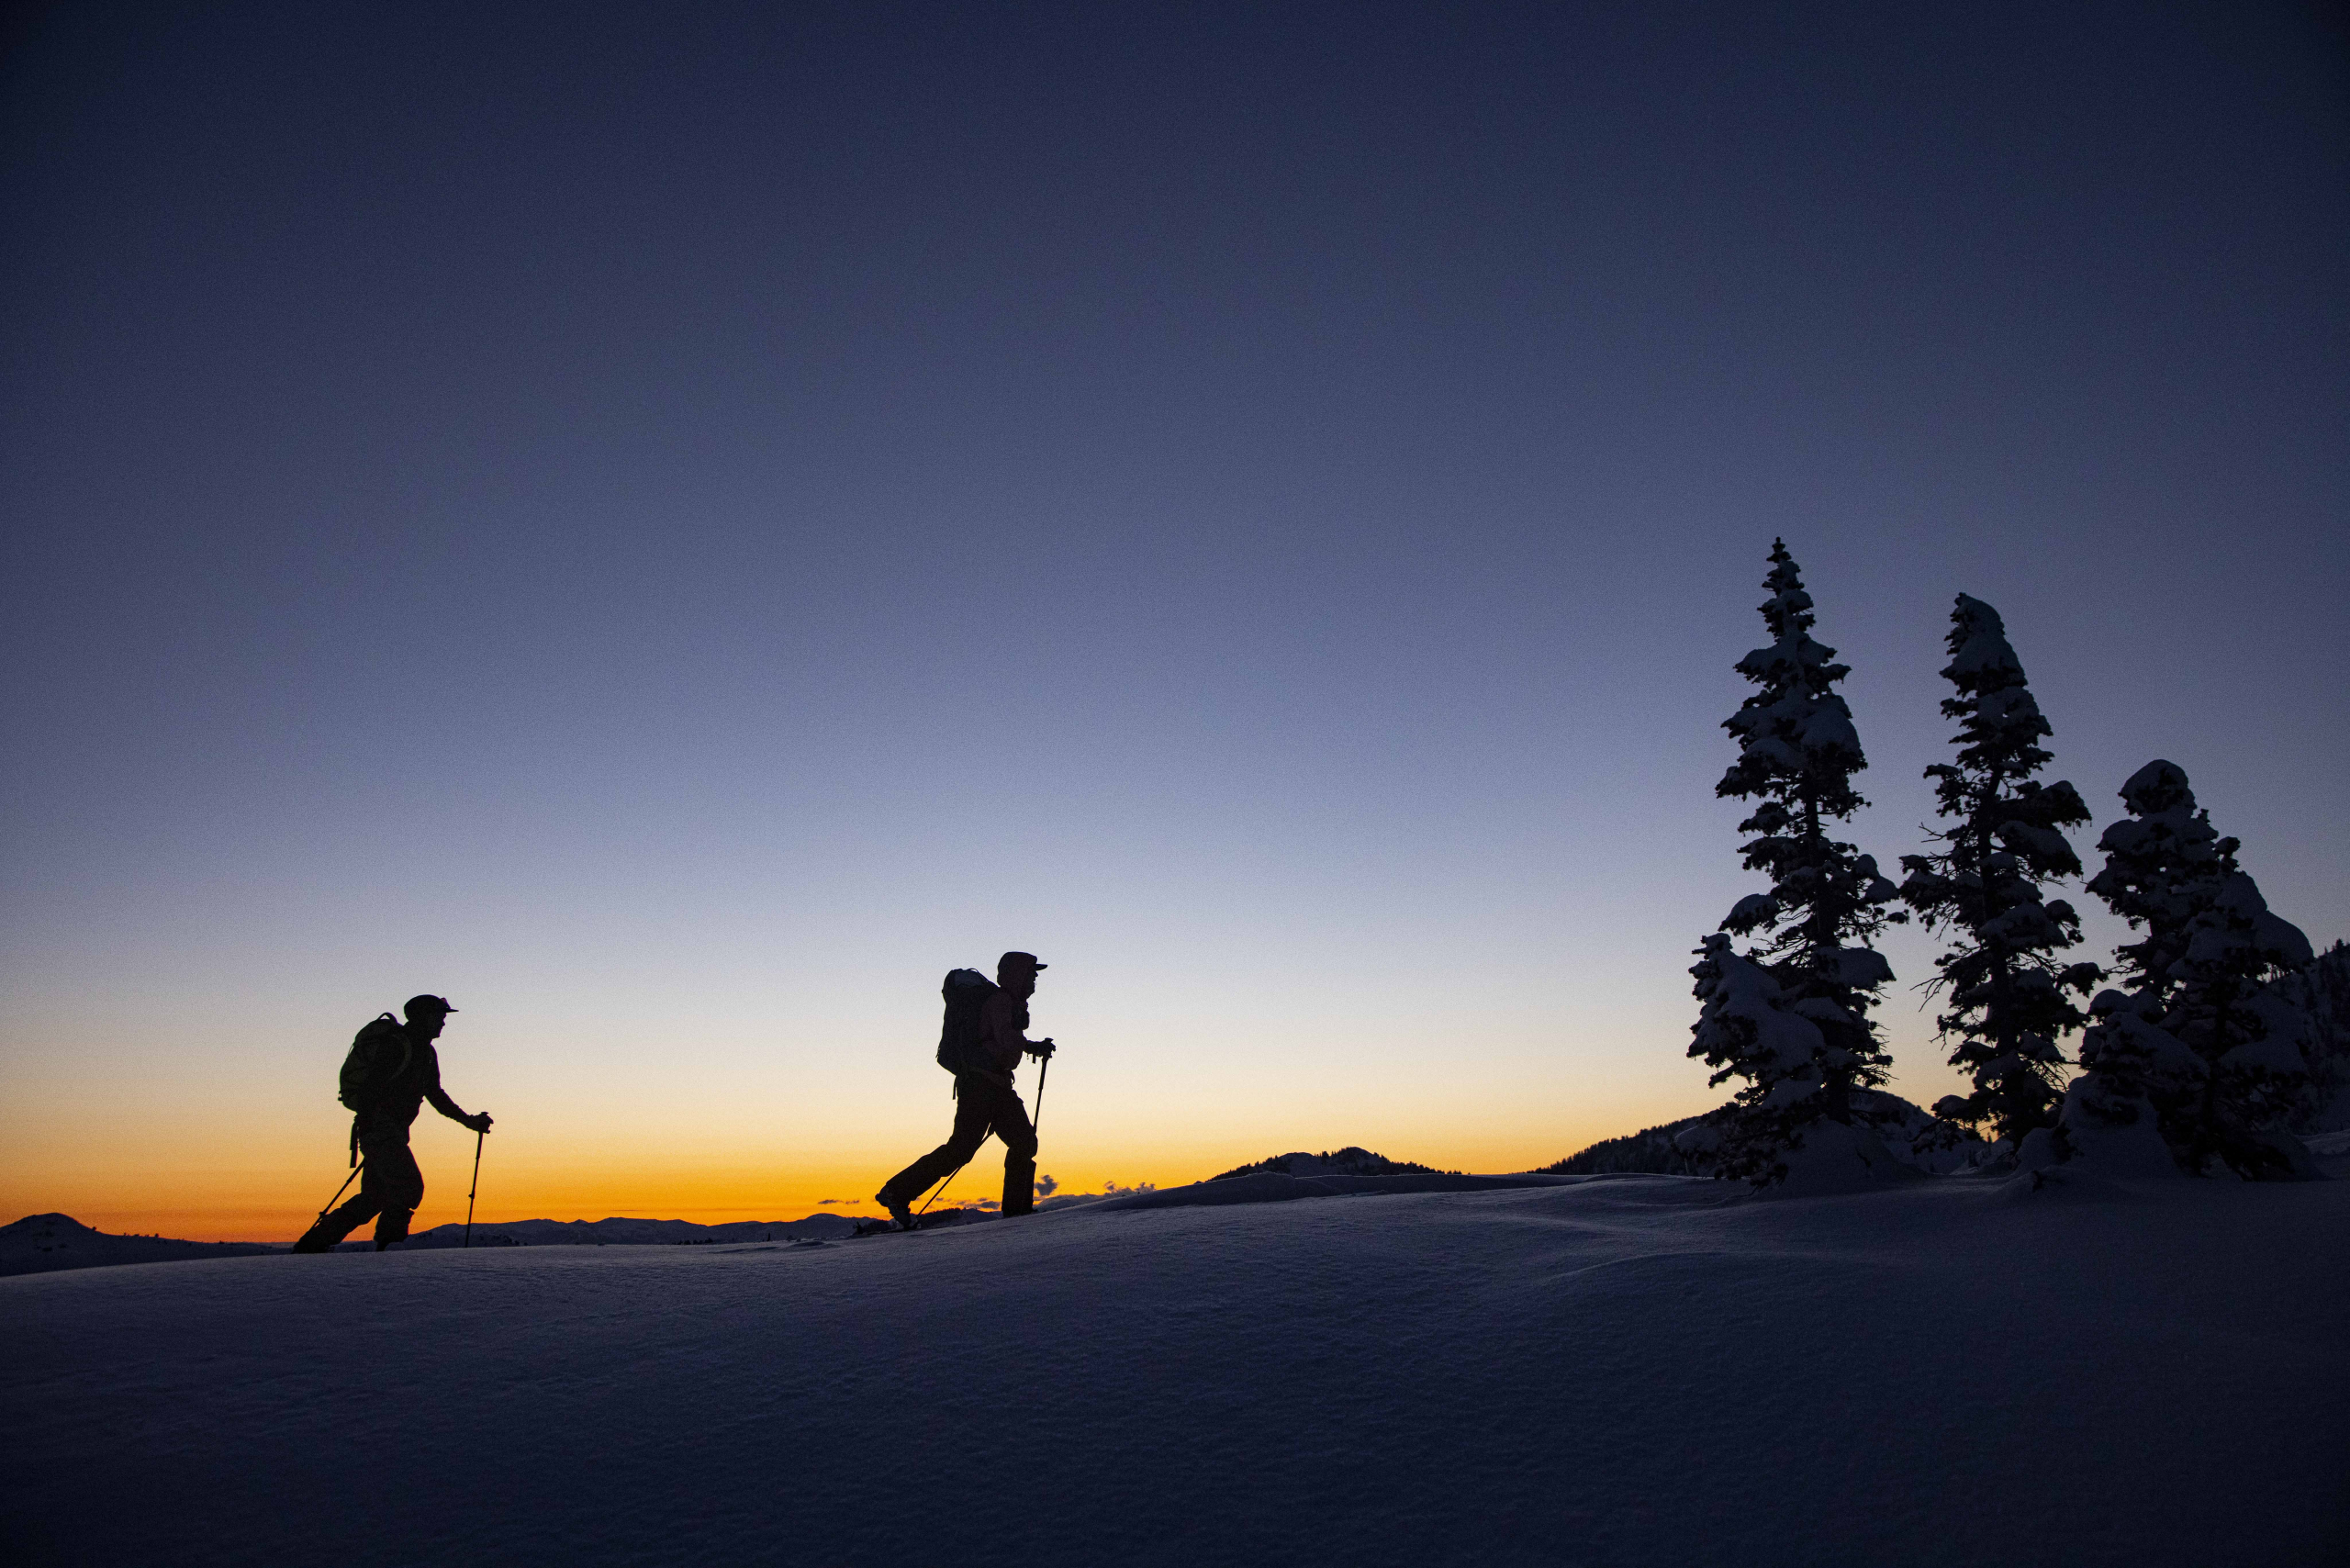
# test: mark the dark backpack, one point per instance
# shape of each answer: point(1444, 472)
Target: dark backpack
point(965, 991)
point(379, 1058)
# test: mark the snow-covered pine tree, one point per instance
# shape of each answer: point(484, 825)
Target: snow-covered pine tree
point(2322, 993)
point(2164, 863)
point(2010, 998)
point(2203, 1033)
point(2249, 1033)
point(2137, 1082)
point(1790, 1015)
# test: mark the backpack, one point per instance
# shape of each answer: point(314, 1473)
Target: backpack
point(965, 991)
point(378, 1059)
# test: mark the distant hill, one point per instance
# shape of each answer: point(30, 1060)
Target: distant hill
point(1907, 1128)
point(1347, 1162)
point(1650, 1151)
point(38, 1244)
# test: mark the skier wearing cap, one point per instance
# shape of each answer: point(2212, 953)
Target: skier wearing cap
point(391, 1186)
point(984, 1102)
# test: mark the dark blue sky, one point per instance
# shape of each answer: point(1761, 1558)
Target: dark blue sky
point(632, 509)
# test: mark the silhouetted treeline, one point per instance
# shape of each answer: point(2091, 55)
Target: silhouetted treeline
point(2221, 1037)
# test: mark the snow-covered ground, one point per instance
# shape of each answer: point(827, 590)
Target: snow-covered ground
point(1609, 1369)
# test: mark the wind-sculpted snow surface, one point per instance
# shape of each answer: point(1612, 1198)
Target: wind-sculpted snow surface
point(1956, 1371)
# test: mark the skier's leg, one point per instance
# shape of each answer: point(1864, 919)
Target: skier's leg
point(970, 1131)
point(1010, 1121)
point(400, 1188)
point(356, 1211)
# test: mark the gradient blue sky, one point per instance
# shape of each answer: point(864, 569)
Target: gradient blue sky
point(674, 525)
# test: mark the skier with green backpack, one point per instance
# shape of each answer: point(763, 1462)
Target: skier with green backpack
point(982, 1044)
point(391, 1070)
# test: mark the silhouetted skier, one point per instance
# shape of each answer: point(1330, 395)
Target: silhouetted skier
point(392, 1070)
point(985, 1100)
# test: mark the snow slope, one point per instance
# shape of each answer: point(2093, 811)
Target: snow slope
point(1622, 1370)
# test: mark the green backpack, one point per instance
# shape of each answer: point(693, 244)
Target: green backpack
point(378, 1059)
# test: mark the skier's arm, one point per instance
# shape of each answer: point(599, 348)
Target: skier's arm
point(448, 1108)
point(1003, 1034)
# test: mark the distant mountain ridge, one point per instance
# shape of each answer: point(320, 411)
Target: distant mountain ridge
point(623, 1232)
point(40, 1244)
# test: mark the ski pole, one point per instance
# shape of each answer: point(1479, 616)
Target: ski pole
point(339, 1190)
point(942, 1189)
point(357, 1165)
point(1036, 1124)
point(477, 1187)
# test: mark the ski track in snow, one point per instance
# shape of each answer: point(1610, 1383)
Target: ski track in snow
point(1624, 1370)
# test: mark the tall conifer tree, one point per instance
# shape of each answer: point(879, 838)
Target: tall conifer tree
point(2202, 1033)
point(2010, 999)
point(2164, 864)
point(1790, 1014)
